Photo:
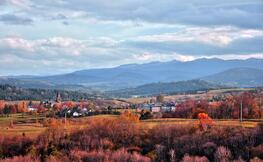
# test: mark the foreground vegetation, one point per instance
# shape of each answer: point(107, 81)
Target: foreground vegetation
point(125, 138)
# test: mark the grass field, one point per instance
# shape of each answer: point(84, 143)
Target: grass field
point(32, 126)
point(219, 123)
point(17, 124)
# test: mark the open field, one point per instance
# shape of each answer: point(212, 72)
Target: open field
point(219, 123)
point(230, 90)
point(32, 126)
point(17, 124)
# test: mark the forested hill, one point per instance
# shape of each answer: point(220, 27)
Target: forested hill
point(165, 88)
point(8, 92)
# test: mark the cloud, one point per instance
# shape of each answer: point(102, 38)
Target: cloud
point(202, 41)
point(149, 57)
point(238, 13)
point(219, 36)
point(63, 53)
point(245, 14)
point(15, 20)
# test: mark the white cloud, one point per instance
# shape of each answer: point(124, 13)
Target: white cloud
point(235, 56)
point(16, 43)
point(218, 36)
point(149, 57)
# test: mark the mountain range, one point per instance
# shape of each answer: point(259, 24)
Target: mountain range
point(240, 73)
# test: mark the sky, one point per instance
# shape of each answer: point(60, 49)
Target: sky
point(45, 37)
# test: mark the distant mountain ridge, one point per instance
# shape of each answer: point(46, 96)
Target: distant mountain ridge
point(133, 75)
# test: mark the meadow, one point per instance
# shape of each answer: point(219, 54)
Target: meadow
point(33, 125)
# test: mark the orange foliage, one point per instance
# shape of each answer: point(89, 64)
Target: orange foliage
point(2, 105)
point(205, 121)
point(57, 106)
point(69, 104)
point(129, 116)
point(22, 107)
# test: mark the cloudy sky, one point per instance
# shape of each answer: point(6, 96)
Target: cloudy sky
point(51, 37)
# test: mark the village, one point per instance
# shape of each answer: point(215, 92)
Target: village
point(152, 107)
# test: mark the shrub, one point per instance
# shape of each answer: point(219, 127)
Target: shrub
point(188, 158)
point(21, 159)
point(222, 154)
point(257, 151)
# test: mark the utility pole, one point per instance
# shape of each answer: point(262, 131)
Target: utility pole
point(241, 109)
point(65, 120)
point(260, 105)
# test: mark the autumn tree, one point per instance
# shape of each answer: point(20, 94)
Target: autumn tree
point(2, 106)
point(22, 107)
point(205, 121)
point(247, 102)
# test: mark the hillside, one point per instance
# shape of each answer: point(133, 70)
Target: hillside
point(12, 93)
point(32, 83)
point(165, 88)
point(241, 77)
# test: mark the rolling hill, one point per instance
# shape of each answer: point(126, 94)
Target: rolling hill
point(239, 77)
point(165, 88)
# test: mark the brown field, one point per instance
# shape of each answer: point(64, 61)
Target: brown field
point(32, 126)
point(219, 123)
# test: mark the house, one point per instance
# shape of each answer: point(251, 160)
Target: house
point(156, 109)
point(76, 114)
point(48, 103)
point(32, 107)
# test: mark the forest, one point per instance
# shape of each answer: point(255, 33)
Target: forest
point(11, 93)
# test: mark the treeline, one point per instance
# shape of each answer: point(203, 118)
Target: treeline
point(11, 93)
point(228, 108)
point(125, 139)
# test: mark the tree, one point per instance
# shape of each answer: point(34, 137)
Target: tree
point(205, 121)
point(2, 106)
point(250, 108)
point(22, 107)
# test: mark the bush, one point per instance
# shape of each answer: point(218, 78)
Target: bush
point(222, 154)
point(101, 156)
point(188, 158)
point(257, 151)
point(21, 159)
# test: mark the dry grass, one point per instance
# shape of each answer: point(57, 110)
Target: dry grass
point(231, 122)
point(30, 128)
point(27, 124)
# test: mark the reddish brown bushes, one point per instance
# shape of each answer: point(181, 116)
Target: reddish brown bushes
point(102, 156)
point(123, 139)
